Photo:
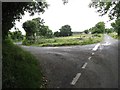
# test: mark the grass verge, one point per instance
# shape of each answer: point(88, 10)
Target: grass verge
point(114, 35)
point(71, 40)
point(20, 68)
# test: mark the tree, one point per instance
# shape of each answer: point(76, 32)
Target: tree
point(86, 31)
point(30, 27)
point(49, 33)
point(43, 30)
point(109, 30)
point(14, 10)
point(65, 30)
point(116, 26)
point(112, 8)
point(103, 7)
point(40, 23)
point(56, 34)
point(16, 35)
point(98, 28)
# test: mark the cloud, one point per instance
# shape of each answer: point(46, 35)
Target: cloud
point(75, 13)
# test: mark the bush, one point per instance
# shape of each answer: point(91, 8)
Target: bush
point(20, 68)
point(28, 42)
point(97, 35)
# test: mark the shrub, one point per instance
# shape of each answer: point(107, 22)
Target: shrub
point(20, 68)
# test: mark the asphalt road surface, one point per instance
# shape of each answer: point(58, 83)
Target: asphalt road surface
point(88, 66)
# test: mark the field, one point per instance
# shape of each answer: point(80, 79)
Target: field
point(80, 39)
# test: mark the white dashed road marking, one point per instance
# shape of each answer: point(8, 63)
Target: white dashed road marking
point(75, 79)
point(96, 47)
point(84, 65)
point(89, 58)
point(106, 44)
point(93, 53)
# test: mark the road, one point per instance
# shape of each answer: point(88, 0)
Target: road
point(88, 66)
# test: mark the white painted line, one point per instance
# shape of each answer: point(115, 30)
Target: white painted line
point(96, 47)
point(106, 44)
point(89, 58)
point(84, 65)
point(93, 53)
point(75, 79)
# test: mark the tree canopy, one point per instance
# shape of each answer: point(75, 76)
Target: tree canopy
point(16, 35)
point(30, 27)
point(56, 34)
point(112, 8)
point(98, 28)
point(86, 31)
point(103, 7)
point(35, 28)
point(14, 10)
point(65, 30)
point(116, 26)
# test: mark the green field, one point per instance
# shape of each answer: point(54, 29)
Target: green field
point(80, 39)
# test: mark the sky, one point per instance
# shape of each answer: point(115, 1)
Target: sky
point(75, 13)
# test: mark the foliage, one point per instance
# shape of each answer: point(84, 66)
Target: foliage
point(98, 28)
point(49, 33)
point(56, 34)
point(36, 26)
point(42, 30)
point(86, 31)
point(15, 36)
point(34, 29)
point(45, 31)
point(65, 30)
point(116, 26)
point(112, 8)
point(103, 7)
point(40, 23)
point(109, 30)
point(114, 35)
point(65, 1)
point(70, 40)
point(30, 27)
point(20, 68)
point(27, 42)
point(14, 10)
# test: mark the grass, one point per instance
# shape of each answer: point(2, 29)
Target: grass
point(20, 68)
point(82, 39)
point(114, 35)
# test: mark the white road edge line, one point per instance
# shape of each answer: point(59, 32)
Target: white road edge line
point(93, 53)
point(84, 65)
point(96, 47)
point(89, 58)
point(75, 79)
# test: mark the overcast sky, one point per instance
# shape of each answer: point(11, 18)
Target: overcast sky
point(75, 13)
